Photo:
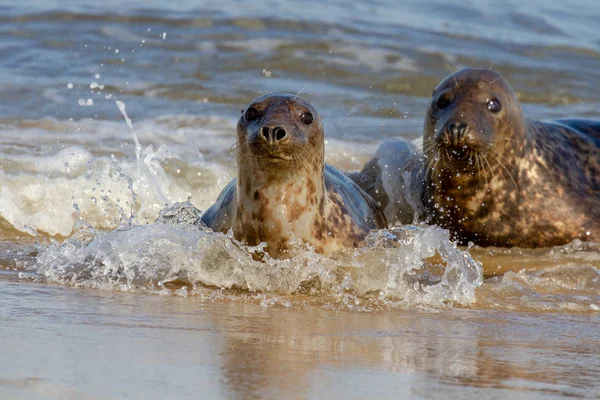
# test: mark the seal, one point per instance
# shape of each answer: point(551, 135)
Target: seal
point(284, 191)
point(495, 178)
point(394, 178)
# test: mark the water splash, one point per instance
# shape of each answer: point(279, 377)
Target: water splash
point(138, 146)
point(39, 187)
point(155, 173)
point(401, 267)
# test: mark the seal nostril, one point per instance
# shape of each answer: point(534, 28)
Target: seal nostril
point(455, 134)
point(452, 128)
point(265, 132)
point(280, 133)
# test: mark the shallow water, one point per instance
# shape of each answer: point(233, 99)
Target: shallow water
point(82, 343)
point(192, 311)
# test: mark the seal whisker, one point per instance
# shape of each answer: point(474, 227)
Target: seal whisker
point(439, 158)
point(487, 72)
point(478, 157)
point(412, 162)
point(501, 157)
point(431, 163)
point(298, 94)
point(452, 73)
point(422, 167)
point(447, 157)
point(498, 161)
point(428, 145)
point(300, 162)
point(489, 166)
point(244, 155)
point(495, 80)
point(430, 152)
point(236, 147)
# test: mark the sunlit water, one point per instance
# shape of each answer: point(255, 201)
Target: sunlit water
point(92, 288)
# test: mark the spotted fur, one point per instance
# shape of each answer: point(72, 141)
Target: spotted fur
point(497, 179)
point(284, 190)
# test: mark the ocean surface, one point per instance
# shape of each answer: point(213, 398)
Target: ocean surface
point(110, 111)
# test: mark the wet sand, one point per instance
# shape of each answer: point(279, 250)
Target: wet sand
point(61, 342)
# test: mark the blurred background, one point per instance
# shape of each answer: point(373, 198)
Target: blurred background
point(184, 69)
point(369, 66)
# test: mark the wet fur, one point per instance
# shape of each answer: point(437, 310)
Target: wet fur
point(275, 201)
point(516, 183)
point(527, 184)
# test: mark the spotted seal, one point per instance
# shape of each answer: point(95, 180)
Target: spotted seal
point(284, 190)
point(494, 178)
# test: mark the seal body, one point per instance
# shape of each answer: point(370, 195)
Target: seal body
point(489, 175)
point(496, 179)
point(394, 179)
point(284, 191)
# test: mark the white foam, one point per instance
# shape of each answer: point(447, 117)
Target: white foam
point(392, 270)
point(42, 181)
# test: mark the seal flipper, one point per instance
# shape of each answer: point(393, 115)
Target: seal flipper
point(219, 216)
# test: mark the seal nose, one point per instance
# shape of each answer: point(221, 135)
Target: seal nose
point(457, 133)
point(273, 135)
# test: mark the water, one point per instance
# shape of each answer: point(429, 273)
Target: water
point(112, 110)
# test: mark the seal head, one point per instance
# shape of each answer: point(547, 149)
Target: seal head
point(472, 113)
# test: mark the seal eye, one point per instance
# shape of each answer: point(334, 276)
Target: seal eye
point(494, 106)
point(306, 118)
point(442, 102)
point(252, 114)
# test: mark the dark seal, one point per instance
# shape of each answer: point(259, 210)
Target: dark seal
point(497, 179)
point(491, 176)
point(284, 191)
